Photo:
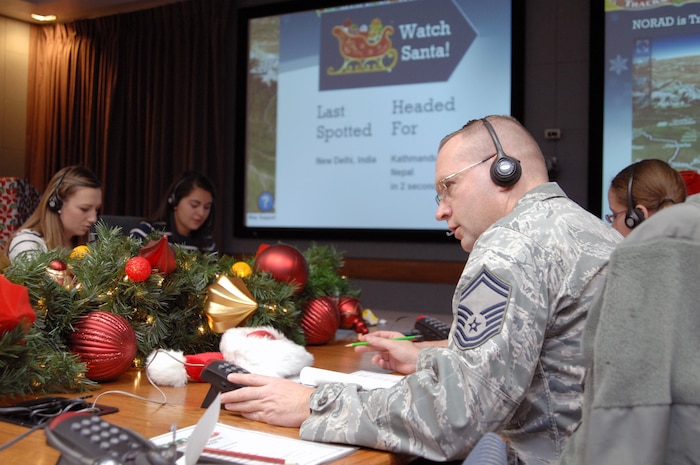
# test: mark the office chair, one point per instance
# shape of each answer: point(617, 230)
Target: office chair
point(490, 450)
point(642, 389)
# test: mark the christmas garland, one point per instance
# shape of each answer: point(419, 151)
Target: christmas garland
point(165, 310)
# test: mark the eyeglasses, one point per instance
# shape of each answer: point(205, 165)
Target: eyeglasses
point(443, 187)
point(610, 217)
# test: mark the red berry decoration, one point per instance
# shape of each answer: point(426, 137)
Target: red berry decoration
point(350, 310)
point(106, 343)
point(138, 269)
point(320, 320)
point(285, 263)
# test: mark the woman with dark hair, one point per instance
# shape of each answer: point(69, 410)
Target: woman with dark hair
point(66, 212)
point(640, 190)
point(186, 214)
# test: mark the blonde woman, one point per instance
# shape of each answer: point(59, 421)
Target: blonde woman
point(66, 212)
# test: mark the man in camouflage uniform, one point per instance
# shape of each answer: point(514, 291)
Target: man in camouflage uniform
point(513, 362)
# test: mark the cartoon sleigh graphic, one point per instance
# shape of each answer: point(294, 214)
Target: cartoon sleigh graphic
point(364, 52)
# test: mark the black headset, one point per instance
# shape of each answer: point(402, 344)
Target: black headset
point(41, 411)
point(505, 170)
point(54, 203)
point(172, 198)
point(634, 216)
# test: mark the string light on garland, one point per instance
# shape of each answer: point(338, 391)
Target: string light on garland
point(163, 310)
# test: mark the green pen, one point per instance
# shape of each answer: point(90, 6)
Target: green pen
point(363, 343)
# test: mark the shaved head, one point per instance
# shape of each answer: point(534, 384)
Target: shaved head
point(515, 140)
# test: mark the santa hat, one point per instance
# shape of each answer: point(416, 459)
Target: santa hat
point(692, 181)
point(265, 351)
point(173, 368)
point(261, 350)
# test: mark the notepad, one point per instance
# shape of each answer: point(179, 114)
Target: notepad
point(369, 380)
point(231, 438)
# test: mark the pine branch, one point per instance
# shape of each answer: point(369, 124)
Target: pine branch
point(164, 311)
point(324, 273)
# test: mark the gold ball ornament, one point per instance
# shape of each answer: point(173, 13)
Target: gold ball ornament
point(241, 269)
point(79, 251)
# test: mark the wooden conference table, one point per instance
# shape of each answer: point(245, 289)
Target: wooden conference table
point(183, 408)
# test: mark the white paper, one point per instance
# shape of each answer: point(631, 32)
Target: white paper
point(312, 376)
point(201, 433)
point(231, 438)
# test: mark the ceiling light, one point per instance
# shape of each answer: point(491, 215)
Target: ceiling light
point(43, 18)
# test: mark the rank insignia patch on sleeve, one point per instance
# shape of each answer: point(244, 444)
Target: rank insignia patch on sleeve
point(481, 310)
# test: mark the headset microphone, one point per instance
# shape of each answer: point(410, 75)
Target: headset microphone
point(634, 216)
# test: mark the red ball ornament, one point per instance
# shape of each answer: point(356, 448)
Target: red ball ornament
point(285, 263)
point(60, 273)
point(57, 265)
point(350, 310)
point(138, 269)
point(320, 320)
point(106, 343)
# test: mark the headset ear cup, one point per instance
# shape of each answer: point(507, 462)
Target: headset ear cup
point(173, 198)
point(633, 218)
point(54, 203)
point(505, 171)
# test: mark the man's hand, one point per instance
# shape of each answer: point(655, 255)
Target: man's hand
point(399, 356)
point(276, 401)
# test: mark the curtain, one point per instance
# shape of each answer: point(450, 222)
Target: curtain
point(138, 98)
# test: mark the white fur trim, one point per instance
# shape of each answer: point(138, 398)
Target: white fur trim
point(167, 368)
point(272, 357)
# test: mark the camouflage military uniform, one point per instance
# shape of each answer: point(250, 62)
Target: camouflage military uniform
point(513, 364)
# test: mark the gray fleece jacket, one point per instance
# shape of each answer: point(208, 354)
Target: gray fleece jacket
point(642, 388)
